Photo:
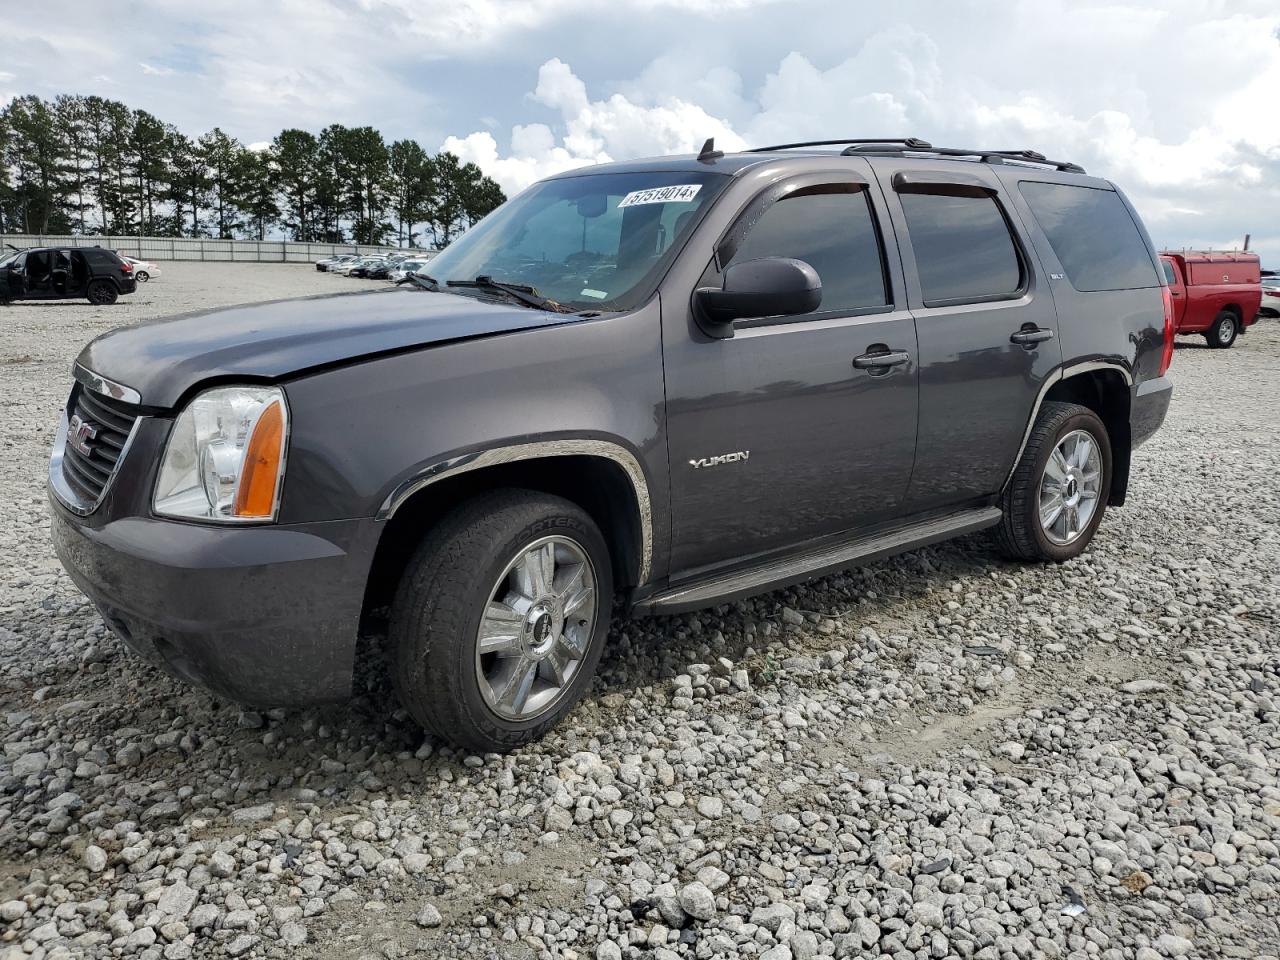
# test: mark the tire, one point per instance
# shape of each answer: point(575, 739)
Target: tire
point(1021, 533)
point(142, 276)
point(469, 571)
point(1224, 331)
point(101, 293)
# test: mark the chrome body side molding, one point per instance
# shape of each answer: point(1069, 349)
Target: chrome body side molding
point(816, 561)
point(536, 451)
point(108, 388)
point(1062, 373)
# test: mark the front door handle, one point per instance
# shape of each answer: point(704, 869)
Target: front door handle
point(1029, 335)
point(884, 358)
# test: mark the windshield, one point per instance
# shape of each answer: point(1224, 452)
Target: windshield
point(595, 241)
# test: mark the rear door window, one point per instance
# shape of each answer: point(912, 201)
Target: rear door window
point(830, 228)
point(1170, 278)
point(963, 248)
point(1093, 234)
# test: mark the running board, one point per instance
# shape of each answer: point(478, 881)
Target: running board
point(815, 562)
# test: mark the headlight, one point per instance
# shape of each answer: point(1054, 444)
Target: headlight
point(225, 457)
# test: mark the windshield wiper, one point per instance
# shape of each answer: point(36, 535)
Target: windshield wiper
point(520, 292)
point(420, 280)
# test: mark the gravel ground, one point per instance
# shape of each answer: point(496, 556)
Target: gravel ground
point(939, 755)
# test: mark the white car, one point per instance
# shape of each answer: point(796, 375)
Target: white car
point(143, 270)
point(1270, 306)
point(404, 268)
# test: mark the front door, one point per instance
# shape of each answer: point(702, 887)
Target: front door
point(986, 324)
point(17, 270)
point(794, 428)
point(40, 274)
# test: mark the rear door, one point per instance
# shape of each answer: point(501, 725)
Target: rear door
point(985, 322)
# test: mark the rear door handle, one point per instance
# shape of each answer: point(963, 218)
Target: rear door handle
point(1027, 336)
point(886, 358)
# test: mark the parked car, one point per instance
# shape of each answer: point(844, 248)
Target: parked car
point(680, 381)
point(1269, 306)
point(328, 263)
point(362, 268)
point(382, 271)
point(405, 267)
point(1214, 294)
point(65, 273)
point(346, 268)
point(143, 270)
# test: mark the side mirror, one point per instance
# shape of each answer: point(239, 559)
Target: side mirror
point(772, 287)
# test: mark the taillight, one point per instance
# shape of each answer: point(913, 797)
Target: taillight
point(1166, 357)
point(126, 266)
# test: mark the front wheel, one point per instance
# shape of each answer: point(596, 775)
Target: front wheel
point(1058, 493)
point(1224, 330)
point(500, 619)
point(142, 276)
point(101, 293)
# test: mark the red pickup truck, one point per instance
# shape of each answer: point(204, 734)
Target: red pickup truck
point(1214, 294)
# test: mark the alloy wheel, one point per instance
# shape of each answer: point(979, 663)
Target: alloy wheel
point(537, 625)
point(1070, 487)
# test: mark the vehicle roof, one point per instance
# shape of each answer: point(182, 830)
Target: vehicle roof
point(735, 162)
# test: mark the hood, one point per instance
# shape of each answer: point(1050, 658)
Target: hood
point(163, 359)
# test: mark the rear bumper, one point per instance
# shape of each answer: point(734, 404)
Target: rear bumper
point(1150, 405)
point(266, 616)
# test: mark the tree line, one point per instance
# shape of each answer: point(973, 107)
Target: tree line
point(89, 165)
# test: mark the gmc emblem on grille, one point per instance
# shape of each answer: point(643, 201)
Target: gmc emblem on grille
point(79, 433)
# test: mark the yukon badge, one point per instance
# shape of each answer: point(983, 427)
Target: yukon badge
point(722, 458)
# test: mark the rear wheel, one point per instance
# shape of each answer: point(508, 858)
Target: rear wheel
point(1058, 494)
point(500, 619)
point(1224, 330)
point(142, 276)
point(102, 292)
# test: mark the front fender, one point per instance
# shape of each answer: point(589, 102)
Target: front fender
point(367, 435)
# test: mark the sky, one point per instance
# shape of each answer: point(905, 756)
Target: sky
point(1178, 102)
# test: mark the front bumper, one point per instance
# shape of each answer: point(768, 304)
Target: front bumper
point(266, 615)
point(1150, 405)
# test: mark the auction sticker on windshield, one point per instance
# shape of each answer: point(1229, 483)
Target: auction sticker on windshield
point(677, 193)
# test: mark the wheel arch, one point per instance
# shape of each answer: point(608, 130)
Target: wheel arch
point(601, 477)
point(1106, 389)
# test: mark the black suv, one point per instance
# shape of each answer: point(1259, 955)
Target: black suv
point(678, 381)
point(65, 273)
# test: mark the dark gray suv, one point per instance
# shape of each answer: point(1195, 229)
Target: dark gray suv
point(676, 381)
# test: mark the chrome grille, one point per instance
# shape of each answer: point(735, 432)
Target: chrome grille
point(98, 429)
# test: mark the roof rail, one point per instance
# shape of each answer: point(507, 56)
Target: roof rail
point(910, 143)
point(986, 156)
point(897, 147)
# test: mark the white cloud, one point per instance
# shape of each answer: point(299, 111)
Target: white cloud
point(1194, 165)
point(151, 71)
point(595, 131)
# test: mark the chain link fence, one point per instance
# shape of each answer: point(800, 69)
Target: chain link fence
point(192, 248)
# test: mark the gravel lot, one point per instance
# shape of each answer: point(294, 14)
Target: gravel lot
point(939, 755)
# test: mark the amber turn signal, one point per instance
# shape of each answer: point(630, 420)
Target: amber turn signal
point(256, 495)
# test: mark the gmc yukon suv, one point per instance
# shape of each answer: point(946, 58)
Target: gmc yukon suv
point(676, 381)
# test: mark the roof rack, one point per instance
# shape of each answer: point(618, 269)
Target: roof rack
point(894, 147)
point(911, 143)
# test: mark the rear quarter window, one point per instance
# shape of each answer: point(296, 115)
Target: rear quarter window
point(100, 258)
point(1093, 235)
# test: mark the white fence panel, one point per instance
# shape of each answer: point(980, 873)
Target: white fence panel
point(207, 250)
